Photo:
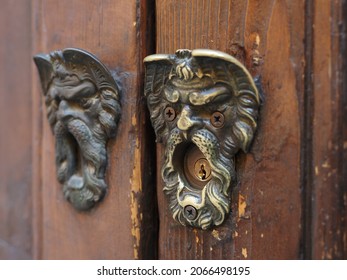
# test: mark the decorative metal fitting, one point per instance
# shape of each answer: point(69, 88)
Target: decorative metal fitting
point(215, 103)
point(83, 108)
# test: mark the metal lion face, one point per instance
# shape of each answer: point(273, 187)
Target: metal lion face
point(203, 106)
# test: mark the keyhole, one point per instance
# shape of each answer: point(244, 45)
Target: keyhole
point(202, 172)
point(202, 169)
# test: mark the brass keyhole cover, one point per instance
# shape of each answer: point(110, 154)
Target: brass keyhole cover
point(204, 107)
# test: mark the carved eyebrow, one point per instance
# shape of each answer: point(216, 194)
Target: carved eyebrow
point(207, 96)
point(171, 95)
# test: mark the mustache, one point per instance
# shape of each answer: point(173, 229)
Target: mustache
point(212, 201)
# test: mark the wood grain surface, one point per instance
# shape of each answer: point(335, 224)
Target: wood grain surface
point(15, 130)
point(329, 183)
point(123, 225)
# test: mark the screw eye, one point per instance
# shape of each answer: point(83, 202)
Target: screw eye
point(217, 119)
point(169, 114)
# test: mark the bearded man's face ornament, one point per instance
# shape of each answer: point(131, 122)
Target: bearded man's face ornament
point(83, 108)
point(204, 107)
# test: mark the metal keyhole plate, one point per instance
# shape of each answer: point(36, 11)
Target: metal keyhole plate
point(204, 108)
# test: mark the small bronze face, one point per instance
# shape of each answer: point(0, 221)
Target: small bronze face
point(83, 108)
point(204, 106)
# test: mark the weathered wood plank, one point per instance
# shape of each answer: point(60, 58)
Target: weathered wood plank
point(329, 193)
point(123, 225)
point(266, 205)
point(16, 133)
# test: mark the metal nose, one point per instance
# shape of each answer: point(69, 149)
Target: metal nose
point(186, 121)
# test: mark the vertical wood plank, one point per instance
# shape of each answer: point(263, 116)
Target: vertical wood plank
point(329, 193)
point(343, 45)
point(16, 134)
point(123, 225)
point(265, 220)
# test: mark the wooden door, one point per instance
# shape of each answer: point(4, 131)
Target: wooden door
point(290, 202)
point(123, 226)
point(291, 197)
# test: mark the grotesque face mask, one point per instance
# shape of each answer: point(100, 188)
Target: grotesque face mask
point(203, 106)
point(83, 108)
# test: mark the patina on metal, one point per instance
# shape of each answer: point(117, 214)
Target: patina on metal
point(83, 108)
point(213, 109)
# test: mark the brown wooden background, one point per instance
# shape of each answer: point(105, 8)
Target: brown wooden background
point(292, 197)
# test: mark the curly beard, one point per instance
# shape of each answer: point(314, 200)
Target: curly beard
point(81, 160)
point(212, 202)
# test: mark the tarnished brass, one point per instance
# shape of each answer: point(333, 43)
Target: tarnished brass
point(83, 108)
point(204, 108)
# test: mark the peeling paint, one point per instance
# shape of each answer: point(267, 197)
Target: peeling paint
point(133, 120)
point(262, 235)
point(236, 234)
point(196, 236)
point(215, 234)
point(242, 206)
point(316, 171)
point(244, 252)
point(135, 224)
point(326, 164)
point(136, 188)
point(257, 39)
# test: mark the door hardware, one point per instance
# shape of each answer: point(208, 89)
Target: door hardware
point(83, 108)
point(204, 107)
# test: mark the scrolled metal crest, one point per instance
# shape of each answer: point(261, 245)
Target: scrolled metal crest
point(205, 103)
point(83, 108)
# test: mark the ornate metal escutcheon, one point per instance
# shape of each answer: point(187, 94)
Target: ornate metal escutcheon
point(204, 108)
point(83, 108)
